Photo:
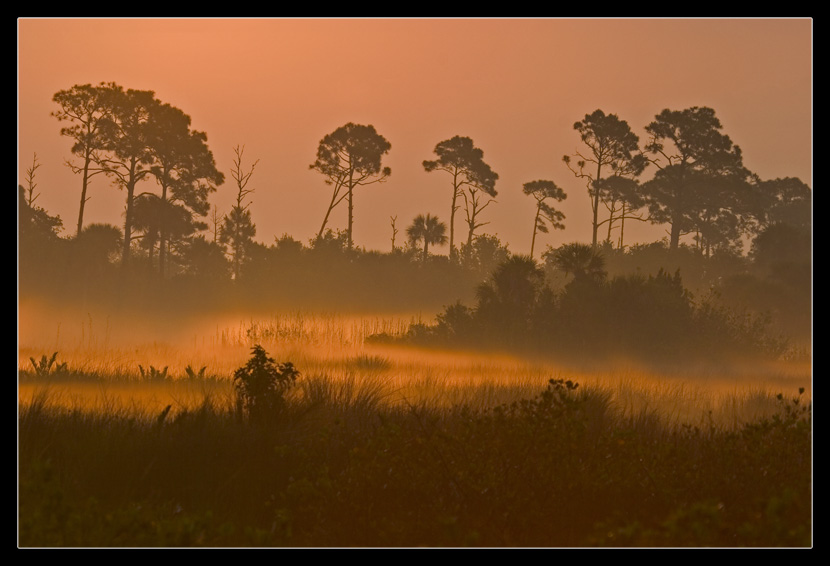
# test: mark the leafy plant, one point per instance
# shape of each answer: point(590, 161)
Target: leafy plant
point(261, 383)
point(44, 366)
point(153, 374)
point(193, 374)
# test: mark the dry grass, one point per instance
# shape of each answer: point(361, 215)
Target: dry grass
point(104, 353)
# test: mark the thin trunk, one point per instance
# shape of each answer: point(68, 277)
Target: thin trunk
point(84, 185)
point(622, 225)
point(595, 203)
point(162, 233)
point(326, 219)
point(675, 232)
point(452, 212)
point(128, 225)
point(610, 222)
point(351, 207)
point(426, 249)
point(535, 224)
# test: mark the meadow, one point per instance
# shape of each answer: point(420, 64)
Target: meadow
point(130, 437)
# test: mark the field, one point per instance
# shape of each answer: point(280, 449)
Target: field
point(131, 443)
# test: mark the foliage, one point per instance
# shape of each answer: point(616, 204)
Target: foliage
point(43, 368)
point(562, 468)
point(612, 147)
point(350, 157)
point(427, 229)
point(261, 384)
point(545, 213)
point(701, 184)
point(472, 179)
point(152, 373)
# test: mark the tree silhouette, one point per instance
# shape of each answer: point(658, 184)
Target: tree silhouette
point(700, 170)
point(429, 230)
point(31, 185)
point(465, 164)
point(183, 167)
point(612, 150)
point(151, 213)
point(238, 229)
point(126, 155)
point(580, 260)
point(785, 200)
point(484, 255)
point(85, 108)
point(350, 157)
point(94, 251)
point(545, 214)
point(622, 197)
point(508, 302)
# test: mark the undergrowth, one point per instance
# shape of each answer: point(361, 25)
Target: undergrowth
point(337, 465)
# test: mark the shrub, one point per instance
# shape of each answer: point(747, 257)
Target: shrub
point(261, 383)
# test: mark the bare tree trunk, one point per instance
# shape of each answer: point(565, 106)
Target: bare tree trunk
point(162, 232)
point(453, 208)
point(535, 224)
point(84, 185)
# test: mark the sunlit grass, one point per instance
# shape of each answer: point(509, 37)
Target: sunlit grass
point(380, 445)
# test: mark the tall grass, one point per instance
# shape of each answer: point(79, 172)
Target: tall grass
point(393, 446)
point(343, 467)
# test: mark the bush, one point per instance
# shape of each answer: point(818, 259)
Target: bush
point(261, 383)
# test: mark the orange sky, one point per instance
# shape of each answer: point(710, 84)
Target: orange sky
point(515, 86)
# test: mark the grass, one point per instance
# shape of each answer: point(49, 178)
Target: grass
point(384, 446)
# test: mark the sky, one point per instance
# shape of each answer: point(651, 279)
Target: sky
point(515, 86)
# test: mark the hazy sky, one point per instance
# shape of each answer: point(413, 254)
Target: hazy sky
point(515, 86)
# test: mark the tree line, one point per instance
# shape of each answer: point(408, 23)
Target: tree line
point(699, 187)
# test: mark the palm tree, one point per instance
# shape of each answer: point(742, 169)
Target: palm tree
point(581, 260)
point(429, 229)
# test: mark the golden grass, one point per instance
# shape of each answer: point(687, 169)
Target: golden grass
point(333, 347)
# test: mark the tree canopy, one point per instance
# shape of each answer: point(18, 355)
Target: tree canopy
point(349, 157)
point(465, 163)
point(613, 150)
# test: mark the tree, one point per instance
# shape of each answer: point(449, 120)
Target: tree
point(350, 157)
point(85, 108)
point(509, 302)
point(580, 260)
point(485, 254)
point(613, 150)
point(785, 200)
point(31, 185)
point(126, 153)
point(465, 164)
point(541, 191)
point(94, 251)
point(393, 220)
point(261, 384)
point(36, 226)
point(238, 229)
point(205, 260)
point(622, 197)
point(183, 167)
point(151, 215)
point(699, 167)
point(429, 230)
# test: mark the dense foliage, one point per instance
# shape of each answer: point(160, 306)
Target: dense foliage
point(563, 468)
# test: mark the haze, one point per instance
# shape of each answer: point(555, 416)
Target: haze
point(515, 86)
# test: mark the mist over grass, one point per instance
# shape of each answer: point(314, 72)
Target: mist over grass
point(344, 465)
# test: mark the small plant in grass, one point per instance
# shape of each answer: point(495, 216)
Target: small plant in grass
point(152, 373)
point(193, 374)
point(44, 367)
point(261, 385)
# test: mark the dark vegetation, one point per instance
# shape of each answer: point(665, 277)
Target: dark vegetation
point(172, 253)
point(296, 463)
point(329, 466)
